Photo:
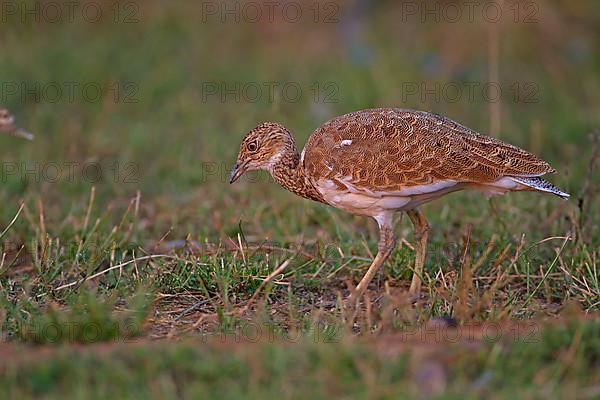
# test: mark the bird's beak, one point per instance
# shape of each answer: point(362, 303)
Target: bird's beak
point(237, 171)
point(22, 134)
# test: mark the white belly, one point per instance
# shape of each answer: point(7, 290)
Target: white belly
point(362, 204)
point(372, 203)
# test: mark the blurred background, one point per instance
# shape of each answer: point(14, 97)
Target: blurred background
point(118, 224)
point(155, 96)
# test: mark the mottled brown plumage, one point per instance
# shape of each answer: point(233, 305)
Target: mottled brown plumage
point(379, 161)
point(7, 125)
point(392, 149)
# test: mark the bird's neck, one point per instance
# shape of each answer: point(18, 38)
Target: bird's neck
point(289, 172)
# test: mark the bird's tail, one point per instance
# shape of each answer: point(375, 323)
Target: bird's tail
point(537, 183)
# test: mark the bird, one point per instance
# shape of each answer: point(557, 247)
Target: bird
point(383, 161)
point(7, 125)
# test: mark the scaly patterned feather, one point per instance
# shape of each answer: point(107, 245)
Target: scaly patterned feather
point(389, 149)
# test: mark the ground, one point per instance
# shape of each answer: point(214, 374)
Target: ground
point(131, 267)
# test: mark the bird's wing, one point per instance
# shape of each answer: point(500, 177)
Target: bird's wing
point(393, 150)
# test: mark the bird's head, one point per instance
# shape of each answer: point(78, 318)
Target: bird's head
point(7, 121)
point(262, 148)
point(7, 125)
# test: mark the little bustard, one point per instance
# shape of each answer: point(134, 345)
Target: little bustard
point(377, 162)
point(7, 125)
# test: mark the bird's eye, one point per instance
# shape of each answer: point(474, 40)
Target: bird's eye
point(252, 146)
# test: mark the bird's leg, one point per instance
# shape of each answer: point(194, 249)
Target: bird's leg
point(421, 233)
point(387, 241)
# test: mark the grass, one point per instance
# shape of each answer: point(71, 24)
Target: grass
point(559, 366)
point(152, 271)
